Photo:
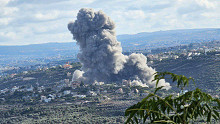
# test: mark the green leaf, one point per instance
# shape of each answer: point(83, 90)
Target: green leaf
point(164, 121)
point(174, 78)
point(215, 117)
point(145, 118)
point(129, 118)
point(136, 120)
point(148, 96)
point(158, 89)
point(216, 113)
point(156, 108)
point(209, 117)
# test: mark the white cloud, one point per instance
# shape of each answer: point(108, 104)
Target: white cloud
point(4, 2)
point(211, 15)
point(206, 3)
point(38, 21)
point(47, 16)
point(5, 21)
point(8, 11)
point(7, 36)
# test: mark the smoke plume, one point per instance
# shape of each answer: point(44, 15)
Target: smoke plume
point(101, 54)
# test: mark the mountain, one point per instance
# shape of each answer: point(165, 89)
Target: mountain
point(46, 49)
point(144, 40)
point(36, 54)
point(147, 40)
point(150, 40)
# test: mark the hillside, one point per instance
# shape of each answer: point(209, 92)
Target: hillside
point(149, 40)
point(204, 69)
point(45, 77)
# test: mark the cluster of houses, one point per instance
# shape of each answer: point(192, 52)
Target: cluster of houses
point(17, 88)
point(189, 54)
point(66, 88)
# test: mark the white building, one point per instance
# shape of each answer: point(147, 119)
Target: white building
point(98, 83)
point(80, 96)
point(92, 93)
point(52, 96)
point(189, 58)
point(42, 98)
point(120, 90)
point(45, 99)
point(69, 74)
point(14, 88)
point(4, 90)
point(30, 88)
point(126, 82)
point(66, 92)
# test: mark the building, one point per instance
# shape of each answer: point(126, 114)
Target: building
point(52, 96)
point(189, 57)
point(136, 91)
point(126, 82)
point(42, 98)
point(80, 96)
point(75, 84)
point(30, 89)
point(66, 92)
point(91, 93)
point(120, 90)
point(45, 99)
point(98, 83)
point(69, 74)
point(14, 88)
point(67, 66)
point(67, 82)
point(4, 90)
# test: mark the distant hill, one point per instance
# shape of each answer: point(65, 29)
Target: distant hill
point(145, 40)
point(36, 54)
point(150, 40)
point(46, 49)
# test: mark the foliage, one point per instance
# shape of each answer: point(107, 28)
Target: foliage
point(186, 108)
point(60, 114)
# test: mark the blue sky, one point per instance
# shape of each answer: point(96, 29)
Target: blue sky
point(41, 21)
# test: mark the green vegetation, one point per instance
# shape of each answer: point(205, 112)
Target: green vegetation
point(204, 69)
point(62, 113)
point(46, 77)
point(187, 108)
point(22, 106)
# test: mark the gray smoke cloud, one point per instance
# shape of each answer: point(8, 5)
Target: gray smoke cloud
point(101, 54)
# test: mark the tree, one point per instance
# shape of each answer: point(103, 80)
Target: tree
point(81, 84)
point(184, 109)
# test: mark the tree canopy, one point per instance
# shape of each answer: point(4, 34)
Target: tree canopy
point(186, 108)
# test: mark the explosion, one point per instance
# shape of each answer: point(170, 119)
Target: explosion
point(101, 54)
